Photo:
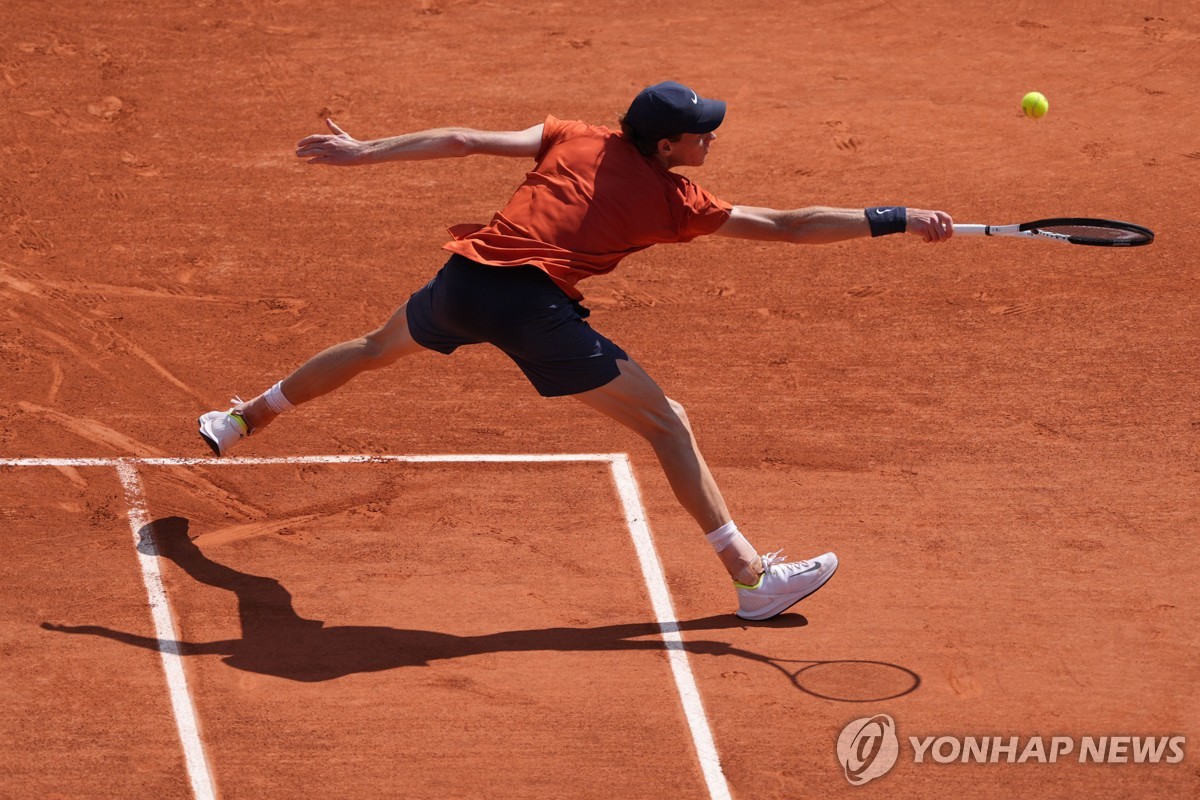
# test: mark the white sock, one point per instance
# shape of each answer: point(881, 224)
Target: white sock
point(275, 399)
point(724, 536)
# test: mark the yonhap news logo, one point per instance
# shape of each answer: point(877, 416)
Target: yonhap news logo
point(869, 747)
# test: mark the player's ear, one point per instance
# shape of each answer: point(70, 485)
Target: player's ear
point(664, 145)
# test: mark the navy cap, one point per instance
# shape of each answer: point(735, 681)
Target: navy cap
point(668, 109)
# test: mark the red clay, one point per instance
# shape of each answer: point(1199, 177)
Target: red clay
point(998, 438)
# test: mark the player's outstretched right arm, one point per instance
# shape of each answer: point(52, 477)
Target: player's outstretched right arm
point(822, 224)
point(340, 149)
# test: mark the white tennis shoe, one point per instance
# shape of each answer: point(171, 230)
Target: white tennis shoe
point(783, 584)
point(221, 430)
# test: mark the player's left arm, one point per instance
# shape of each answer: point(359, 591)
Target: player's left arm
point(823, 224)
point(340, 149)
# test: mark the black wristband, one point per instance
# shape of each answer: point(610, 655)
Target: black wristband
point(887, 219)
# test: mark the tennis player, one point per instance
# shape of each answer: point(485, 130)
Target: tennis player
point(592, 197)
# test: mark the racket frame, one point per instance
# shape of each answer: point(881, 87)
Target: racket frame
point(1031, 230)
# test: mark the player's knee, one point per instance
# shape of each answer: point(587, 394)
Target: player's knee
point(378, 349)
point(666, 422)
point(677, 407)
point(388, 343)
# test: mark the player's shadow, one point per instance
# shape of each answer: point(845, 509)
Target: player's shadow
point(277, 641)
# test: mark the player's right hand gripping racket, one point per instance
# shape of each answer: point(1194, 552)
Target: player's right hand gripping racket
point(1075, 230)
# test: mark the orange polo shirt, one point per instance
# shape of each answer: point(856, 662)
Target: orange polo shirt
point(590, 200)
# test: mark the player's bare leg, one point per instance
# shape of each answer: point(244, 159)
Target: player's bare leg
point(333, 367)
point(636, 401)
point(766, 585)
point(321, 374)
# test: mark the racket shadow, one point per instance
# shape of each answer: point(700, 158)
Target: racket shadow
point(277, 641)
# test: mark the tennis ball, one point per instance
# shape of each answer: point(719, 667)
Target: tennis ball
point(1035, 105)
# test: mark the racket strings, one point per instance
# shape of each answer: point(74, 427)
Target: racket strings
point(1095, 233)
point(1088, 230)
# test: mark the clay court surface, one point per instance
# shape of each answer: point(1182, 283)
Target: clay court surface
point(1000, 439)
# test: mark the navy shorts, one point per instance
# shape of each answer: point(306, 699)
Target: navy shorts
point(521, 311)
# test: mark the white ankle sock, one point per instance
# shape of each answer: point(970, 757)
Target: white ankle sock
point(724, 536)
point(275, 399)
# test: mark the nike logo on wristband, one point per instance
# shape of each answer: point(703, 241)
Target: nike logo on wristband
point(886, 219)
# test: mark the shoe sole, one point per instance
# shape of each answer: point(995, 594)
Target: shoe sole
point(771, 614)
point(209, 440)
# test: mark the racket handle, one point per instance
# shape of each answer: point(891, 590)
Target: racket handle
point(970, 230)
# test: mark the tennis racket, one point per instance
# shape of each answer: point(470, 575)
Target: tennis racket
point(1075, 230)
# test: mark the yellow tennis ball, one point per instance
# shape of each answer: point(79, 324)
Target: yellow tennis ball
point(1035, 105)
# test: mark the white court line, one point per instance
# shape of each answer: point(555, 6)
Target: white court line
point(164, 629)
point(635, 518)
point(253, 461)
point(660, 599)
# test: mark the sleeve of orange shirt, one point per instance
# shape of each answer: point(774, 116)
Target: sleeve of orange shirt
point(703, 212)
point(555, 130)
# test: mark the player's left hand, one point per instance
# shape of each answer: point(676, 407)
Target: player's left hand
point(339, 150)
point(932, 226)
